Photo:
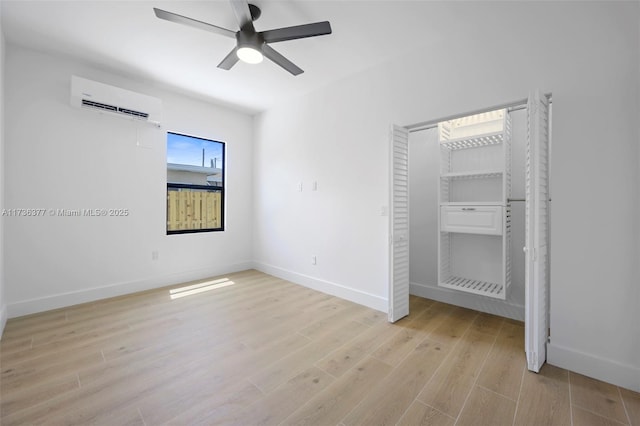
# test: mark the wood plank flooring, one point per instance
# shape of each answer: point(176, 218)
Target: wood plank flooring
point(264, 351)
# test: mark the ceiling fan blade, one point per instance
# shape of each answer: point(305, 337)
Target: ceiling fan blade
point(179, 19)
point(229, 60)
point(276, 57)
point(243, 14)
point(298, 31)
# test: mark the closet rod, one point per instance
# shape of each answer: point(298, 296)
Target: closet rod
point(511, 106)
point(509, 200)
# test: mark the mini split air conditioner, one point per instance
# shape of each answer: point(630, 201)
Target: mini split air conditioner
point(88, 94)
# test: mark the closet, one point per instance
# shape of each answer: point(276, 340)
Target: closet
point(474, 212)
point(469, 217)
point(466, 232)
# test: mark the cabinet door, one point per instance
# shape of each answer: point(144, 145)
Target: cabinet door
point(399, 223)
point(537, 222)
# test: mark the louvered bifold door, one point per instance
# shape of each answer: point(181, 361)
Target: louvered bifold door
point(536, 240)
point(399, 224)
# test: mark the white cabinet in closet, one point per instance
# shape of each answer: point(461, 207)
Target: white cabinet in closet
point(474, 215)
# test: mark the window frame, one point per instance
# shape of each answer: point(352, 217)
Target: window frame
point(221, 189)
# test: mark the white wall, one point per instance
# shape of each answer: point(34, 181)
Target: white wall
point(336, 138)
point(59, 157)
point(424, 167)
point(586, 53)
point(3, 302)
point(424, 175)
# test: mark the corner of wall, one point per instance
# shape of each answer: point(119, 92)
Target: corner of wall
point(3, 318)
point(347, 293)
point(3, 304)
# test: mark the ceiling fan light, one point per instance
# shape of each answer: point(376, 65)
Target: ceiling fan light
point(249, 55)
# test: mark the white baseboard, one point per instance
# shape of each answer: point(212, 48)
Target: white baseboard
point(626, 376)
point(360, 297)
point(41, 304)
point(470, 301)
point(3, 319)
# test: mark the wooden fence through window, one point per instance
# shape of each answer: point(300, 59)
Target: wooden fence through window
point(193, 209)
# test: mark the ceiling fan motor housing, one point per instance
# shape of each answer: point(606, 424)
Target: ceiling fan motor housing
point(250, 39)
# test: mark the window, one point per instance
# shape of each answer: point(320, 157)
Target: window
point(195, 184)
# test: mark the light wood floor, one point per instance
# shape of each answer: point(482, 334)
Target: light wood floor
point(265, 351)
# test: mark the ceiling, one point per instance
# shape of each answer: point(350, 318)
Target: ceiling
point(126, 37)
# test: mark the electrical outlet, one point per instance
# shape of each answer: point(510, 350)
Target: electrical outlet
point(155, 255)
point(314, 260)
point(299, 186)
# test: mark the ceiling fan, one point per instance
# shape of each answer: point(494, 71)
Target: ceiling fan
point(251, 45)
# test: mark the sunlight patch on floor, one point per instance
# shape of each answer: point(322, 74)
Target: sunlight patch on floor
point(176, 293)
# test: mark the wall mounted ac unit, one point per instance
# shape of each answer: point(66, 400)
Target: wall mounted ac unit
point(102, 97)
